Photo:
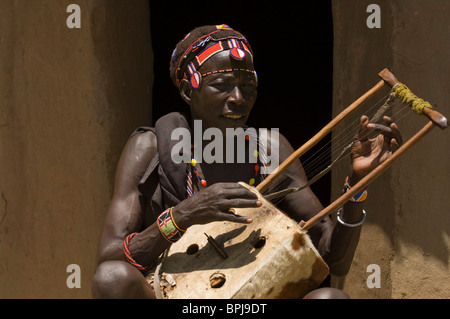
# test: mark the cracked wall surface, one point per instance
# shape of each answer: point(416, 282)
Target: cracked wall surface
point(407, 228)
point(69, 99)
point(5, 209)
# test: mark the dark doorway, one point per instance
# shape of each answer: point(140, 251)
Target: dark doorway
point(293, 45)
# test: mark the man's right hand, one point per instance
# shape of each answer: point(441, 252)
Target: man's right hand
point(214, 204)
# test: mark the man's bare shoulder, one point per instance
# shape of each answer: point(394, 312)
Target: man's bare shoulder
point(139, 150)
point(276, 140)
point(144, 143)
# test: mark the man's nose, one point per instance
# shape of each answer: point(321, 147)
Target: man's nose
point(236, 96)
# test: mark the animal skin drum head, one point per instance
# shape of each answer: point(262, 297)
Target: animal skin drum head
point(272, 257)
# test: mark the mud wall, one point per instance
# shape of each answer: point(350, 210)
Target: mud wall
point(407, 228)
point(69, 98)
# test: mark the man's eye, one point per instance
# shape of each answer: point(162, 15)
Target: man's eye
point(221, 86)
point(250, 85)
point(228, 87)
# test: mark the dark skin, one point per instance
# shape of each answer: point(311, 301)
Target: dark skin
point(224, 100)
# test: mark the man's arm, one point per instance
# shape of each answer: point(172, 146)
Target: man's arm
point(125, 213)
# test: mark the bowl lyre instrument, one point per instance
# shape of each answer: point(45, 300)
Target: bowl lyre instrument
point(272, 257)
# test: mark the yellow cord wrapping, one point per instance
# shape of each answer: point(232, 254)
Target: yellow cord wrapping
point(407, 97)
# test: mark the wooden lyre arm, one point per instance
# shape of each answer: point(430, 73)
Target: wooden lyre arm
point(436, 119)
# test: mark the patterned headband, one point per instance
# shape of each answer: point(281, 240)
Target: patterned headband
point(194, 56)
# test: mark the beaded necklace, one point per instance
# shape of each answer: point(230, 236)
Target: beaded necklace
point(192, 168)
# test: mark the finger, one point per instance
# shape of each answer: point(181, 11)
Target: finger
point(230, 190)
point(241, 203)
point(394, 145)
point(364, 120)
point(388, 120)
point(229, 185)
point(396, 133)
point(394, 128)
point(233, 217)
point(380, 143)
point(240, 192)
point(363, 128)
point(380, 128)
point(391, 135)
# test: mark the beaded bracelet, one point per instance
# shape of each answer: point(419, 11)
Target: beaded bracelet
point(126, 250)
point(173, 221)
point(360, 196)
point(168, 227)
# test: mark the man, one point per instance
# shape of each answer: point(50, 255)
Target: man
point(156, 198)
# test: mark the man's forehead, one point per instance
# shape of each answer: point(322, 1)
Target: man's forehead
point(229, 75)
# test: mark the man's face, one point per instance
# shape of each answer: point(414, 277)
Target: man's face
point(224, 100)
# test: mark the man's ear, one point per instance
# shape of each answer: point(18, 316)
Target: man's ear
point(186, 91)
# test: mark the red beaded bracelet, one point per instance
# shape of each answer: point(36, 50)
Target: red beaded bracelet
point(126, 250)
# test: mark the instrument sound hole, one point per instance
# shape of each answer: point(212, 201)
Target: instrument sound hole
point(192, 249)
point(259, 242)
point(217, 280)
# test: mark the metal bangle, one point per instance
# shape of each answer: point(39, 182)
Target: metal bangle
point(350, 225)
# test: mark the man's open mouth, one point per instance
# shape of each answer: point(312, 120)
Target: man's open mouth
point(233, 116)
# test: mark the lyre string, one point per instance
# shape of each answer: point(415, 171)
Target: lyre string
point(340, 142)
point(337, 139)
point(342, 145)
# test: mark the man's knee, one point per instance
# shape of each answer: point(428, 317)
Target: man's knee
point(327, 293)
point(117, 279)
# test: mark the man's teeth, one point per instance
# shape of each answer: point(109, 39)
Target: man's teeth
point(234, 117)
